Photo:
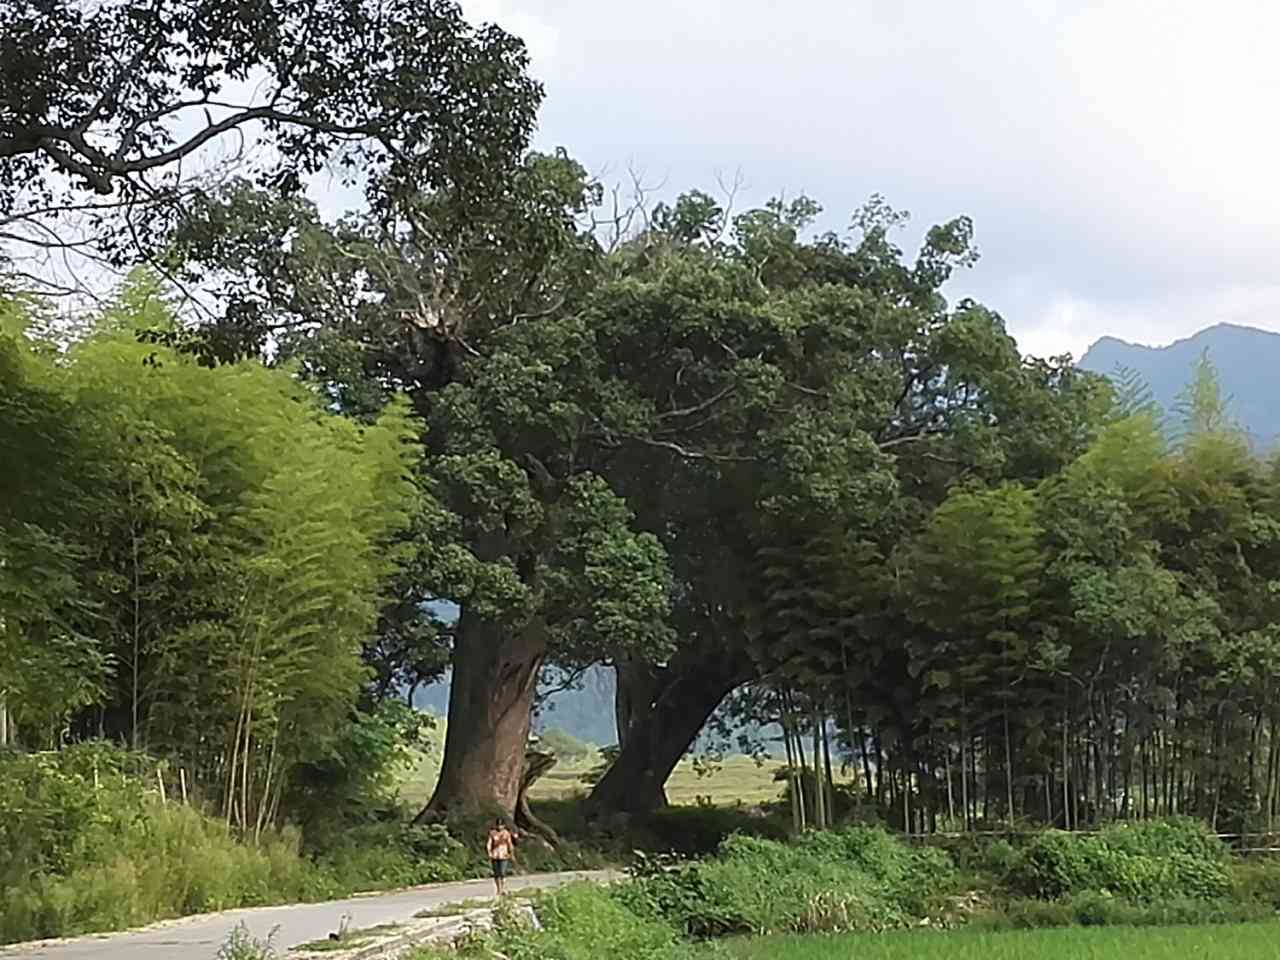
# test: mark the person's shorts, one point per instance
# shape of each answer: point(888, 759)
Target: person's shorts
point(501, 868)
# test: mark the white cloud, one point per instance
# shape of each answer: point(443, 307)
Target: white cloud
point(1117, 156)
point(1072, 323)
point(538, 34)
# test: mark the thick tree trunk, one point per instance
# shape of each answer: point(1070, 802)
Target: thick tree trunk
point(536, 764)
point(659, 732)
point(634, 694)
point(495, 675)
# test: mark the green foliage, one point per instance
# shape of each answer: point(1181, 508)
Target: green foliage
point(207, 566)
point(354, 771)
point(825, 882)
point(424, 101)
point(242, 945)
point(1201, 405)
point(1257, 881)
point(578, 920)
point(1141, 863)
point(86, 848)
point(389, 855)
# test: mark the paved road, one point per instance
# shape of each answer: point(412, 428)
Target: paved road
point(198, 938)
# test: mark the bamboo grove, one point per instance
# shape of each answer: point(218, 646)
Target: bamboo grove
point(1101, 644)
point(192, 557)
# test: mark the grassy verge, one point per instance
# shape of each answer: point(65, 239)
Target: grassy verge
point(1240, 942)
point(84, 848)
point(861, 892)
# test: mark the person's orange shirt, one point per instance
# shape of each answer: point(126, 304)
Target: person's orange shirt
point(500, 842)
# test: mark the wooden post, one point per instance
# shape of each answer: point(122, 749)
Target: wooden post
point(160, 780)
point(182, 779)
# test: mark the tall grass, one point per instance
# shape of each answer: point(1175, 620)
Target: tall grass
point(84, 849)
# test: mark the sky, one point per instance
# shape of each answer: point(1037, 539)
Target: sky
point(1118, 158)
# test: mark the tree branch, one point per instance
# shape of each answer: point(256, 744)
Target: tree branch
point(699, 407)
point(687, 454)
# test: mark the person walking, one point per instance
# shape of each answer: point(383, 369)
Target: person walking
point(502, 850)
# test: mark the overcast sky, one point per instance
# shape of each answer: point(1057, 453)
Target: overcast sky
point(1119, 158)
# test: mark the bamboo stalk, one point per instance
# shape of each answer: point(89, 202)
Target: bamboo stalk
point(819, 792)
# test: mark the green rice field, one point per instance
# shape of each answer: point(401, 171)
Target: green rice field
point(1252, 941)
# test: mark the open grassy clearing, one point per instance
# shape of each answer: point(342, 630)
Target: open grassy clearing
point(738, 780)
point(1253, 941)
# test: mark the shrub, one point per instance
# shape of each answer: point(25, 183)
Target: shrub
point(564, 744)
point(1159, 860)
point(242, 945)
point(377, 856)
point(1257, 881)
point(859, 879)
point(1165, 837)
point(906, 875)
point(580, 922)
point(83, 854)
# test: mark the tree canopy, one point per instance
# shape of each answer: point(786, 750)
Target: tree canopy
point(115, 117)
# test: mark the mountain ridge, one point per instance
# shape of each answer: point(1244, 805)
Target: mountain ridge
point(1247, 359)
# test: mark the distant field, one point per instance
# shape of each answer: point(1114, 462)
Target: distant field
point(1227, 942)
point(737, 780)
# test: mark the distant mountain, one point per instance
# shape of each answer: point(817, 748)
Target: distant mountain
point(585, 711)
point(1247, 360)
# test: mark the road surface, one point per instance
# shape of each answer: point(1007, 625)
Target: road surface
point(199, 937)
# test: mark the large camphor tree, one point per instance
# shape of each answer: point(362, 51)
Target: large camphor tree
point(474, 310)
point(819, 382)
